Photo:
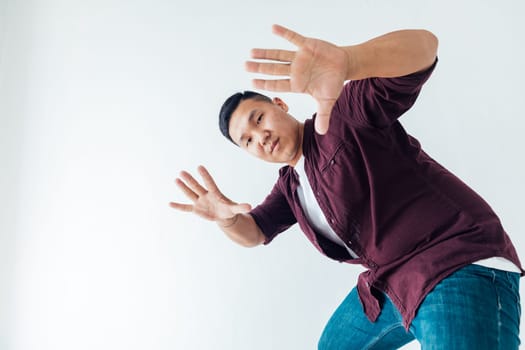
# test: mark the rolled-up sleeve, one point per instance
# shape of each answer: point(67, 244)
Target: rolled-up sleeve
point(274, 214)
point(379, 102)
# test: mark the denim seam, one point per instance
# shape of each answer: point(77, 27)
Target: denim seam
point(499, 308)
point(383, 334)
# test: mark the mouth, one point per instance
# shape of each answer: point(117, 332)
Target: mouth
point(273, 145)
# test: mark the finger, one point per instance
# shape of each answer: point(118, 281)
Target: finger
point(322, 121)
point(268, 68)
point(281, 85)
point(192, 183)
point(187, 191)
point(293, 37)
point(321, 125)
point(208, 180)
point(182, 207)
point(275, 55)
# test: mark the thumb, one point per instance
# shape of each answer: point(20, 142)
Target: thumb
point(321, 124)
point(322, 121)
point(241, 208)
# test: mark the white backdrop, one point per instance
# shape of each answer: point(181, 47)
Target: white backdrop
point(102, 103)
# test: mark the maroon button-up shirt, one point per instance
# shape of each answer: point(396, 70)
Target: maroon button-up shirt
point(410, 220)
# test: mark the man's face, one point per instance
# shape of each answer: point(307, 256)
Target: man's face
point(267, 131)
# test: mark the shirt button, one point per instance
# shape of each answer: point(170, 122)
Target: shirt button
point(332, 162)
point(332, 221)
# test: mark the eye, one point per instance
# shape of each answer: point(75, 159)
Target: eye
point(248, 141)
point(259, 119)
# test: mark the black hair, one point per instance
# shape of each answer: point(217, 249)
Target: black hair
point(231, 104)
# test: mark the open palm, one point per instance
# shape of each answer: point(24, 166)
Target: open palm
point(208, 200)
point(317, 68)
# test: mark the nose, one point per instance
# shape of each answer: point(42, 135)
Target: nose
point(264, 137)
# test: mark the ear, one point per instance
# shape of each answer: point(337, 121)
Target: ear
point(280, 103)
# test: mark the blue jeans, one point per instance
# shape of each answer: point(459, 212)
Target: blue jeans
point(475, 308)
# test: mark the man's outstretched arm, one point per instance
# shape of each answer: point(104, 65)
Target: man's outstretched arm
point(392, 55)
point(320, 68)
point(243, 230)
point(209, 203)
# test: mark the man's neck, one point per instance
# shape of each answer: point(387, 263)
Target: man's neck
point(299, 152)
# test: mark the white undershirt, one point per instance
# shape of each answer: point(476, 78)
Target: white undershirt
point(312, 210)
point(317, 219)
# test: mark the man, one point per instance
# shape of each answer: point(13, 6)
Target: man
point(441, 269)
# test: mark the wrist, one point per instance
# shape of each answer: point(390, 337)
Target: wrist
point(354, 68)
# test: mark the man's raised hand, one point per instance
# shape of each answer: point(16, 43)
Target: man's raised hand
point(317, 68)
point(208, 200)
